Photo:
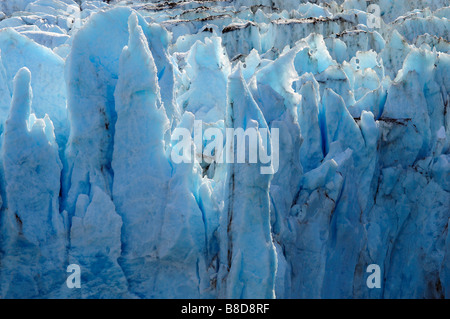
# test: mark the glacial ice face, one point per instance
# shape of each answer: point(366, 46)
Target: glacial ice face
point(96, 221)
point(206, 65)
point(33, 233)
point(93, 97)
point(247, 253)
point(48, 78)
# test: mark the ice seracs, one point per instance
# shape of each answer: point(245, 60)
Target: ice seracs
point(90, 169)
point(247, 257)
point(32, 226)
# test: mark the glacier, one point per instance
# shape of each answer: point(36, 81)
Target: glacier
point(94, 95)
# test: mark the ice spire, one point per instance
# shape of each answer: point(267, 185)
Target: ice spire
point(31, 223)
point(248, 259)
point(141, 169)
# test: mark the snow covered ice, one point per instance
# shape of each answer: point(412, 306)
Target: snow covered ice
point(356, 97)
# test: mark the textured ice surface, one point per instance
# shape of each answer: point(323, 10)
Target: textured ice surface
point(93, 95)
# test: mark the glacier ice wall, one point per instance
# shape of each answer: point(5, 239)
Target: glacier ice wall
point(94, 95)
